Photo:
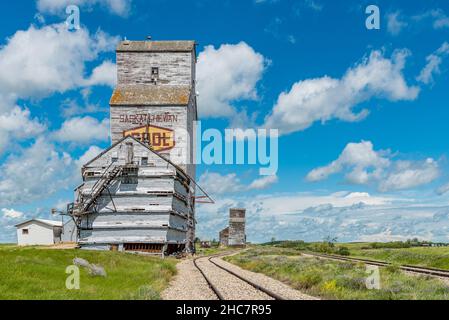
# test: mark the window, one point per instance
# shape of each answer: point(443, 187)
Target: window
point(154, 74)
point(130, 175)
point(25, 231)
point(129, 180)
point(130, 171)
point(114, 159)
point(144, 161)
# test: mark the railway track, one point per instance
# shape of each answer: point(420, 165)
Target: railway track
point(421, 270)
point(228, 285)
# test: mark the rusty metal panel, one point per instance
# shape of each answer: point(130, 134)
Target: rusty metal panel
point(151, 96)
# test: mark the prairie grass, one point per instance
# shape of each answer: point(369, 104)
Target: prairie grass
point(338, 280)
point(39, 274)
point(435, 257)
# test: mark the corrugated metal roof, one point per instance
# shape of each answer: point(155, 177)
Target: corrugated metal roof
point(157, 46)
point(51, 223)
point(151, 95)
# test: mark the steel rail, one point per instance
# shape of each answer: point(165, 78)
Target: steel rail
point(209, 283)
point(268, 292)
point(215, 289)
point(423, 270)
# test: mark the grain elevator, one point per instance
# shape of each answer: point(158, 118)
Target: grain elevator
point(139, 194)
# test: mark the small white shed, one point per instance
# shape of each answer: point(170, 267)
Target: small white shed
point(39, 232)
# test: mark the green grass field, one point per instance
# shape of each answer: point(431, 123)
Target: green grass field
point(39, 274)
point(337, 280)
point(434, 257)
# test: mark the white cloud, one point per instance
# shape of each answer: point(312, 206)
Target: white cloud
point(360, 158)
point(326, 98)
point(443, 189)
point(265, 1)
point(395, 24)
point(38, 172)
point(275, 28)
point(11, 213)
point(291, 39)
point(225, 75)
point(314, 5)
point(305, 216)
point(216, 183)
point(434, 61)
point(438, 16)
point(104, 74)
point(41, 61)
point(263, 183)
point(313, 216)
point(38, 62)
point(91, 153)
point(386, 235)
point(71, 107)
point(18, 124)
point(302, 201)
point(363, 165)
point(407, 174)
point(83, 130)
point(117, 7)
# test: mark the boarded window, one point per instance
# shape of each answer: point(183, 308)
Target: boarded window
point(130, 175)
point(25, 231)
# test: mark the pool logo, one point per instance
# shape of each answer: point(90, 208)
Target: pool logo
point(159, 138)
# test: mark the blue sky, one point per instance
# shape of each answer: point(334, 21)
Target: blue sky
point(306, 67)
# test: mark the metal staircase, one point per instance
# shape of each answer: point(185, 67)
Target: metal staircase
point(85, 203)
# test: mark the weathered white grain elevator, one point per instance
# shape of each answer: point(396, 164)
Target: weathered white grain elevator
point(139, 194)
point(237, 236)
point(234, 235)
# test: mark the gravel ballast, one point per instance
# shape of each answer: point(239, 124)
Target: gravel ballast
point(275, 286)
point(189, 284)
point(230, 287)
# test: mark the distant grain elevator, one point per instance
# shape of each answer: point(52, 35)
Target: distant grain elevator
point(234, 235)
point(237, 236)
point(139, 194)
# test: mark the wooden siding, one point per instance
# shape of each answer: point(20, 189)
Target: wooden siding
point(134, 68)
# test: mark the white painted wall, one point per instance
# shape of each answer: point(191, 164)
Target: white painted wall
point(38, 234)
point(69, 232)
